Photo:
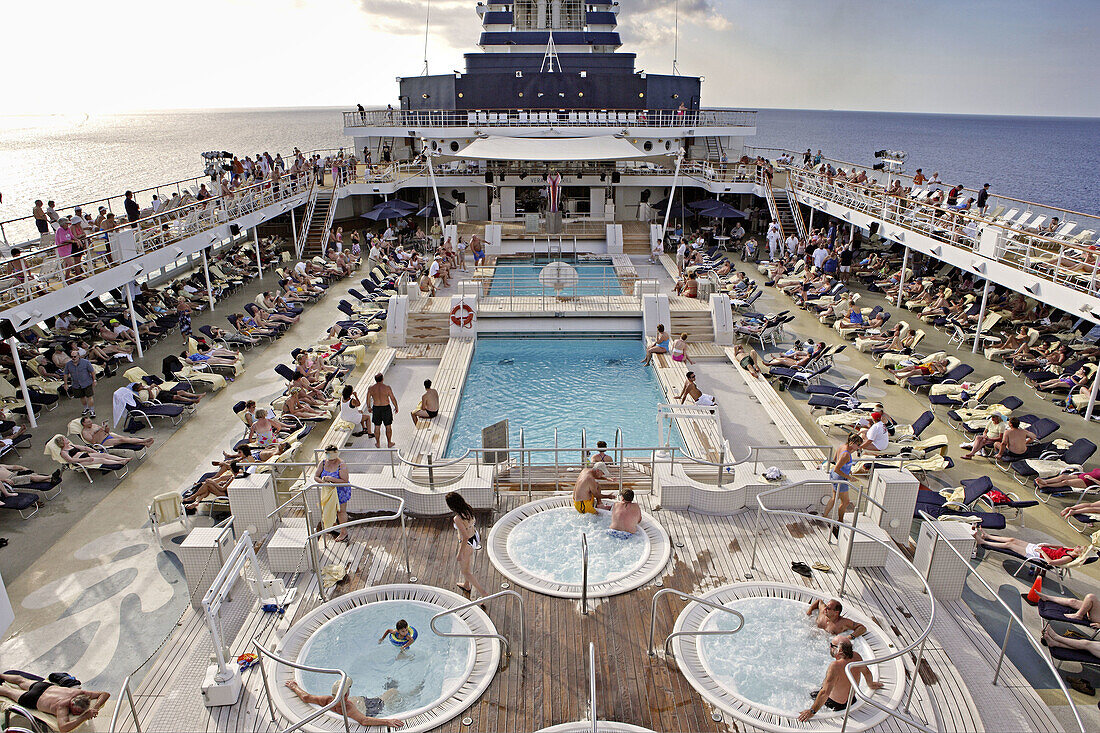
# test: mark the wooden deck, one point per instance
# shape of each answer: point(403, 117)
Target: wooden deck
point(550, 686)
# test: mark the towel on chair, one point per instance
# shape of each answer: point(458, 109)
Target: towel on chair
point(954, 496)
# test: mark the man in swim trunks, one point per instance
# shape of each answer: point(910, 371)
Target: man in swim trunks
point(429, 404)
point(586, 494)
point(383, 404)
point(697, 395)
point(836, 689)
point(829, 618)
point(357, 707)
point(625, 516)
point(1014, 441)
point(71, 706)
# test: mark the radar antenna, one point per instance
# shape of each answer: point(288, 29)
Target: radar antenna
point(427, 18)
point(550, 58)
point(676, 41)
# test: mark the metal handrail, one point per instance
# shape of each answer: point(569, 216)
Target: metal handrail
point(499, 637)
point(930, 522)
point(526, 117)
point(584, 573)
point(917, 643)
point(338, 698)
point(118, 706)
point(695, 599)
point(399, 514)
point(592, 685)
point(38, 725)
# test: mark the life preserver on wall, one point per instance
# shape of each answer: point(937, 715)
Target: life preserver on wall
point(462, 316)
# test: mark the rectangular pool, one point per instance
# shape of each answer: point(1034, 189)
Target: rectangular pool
point(521, 277)
point(542, 383)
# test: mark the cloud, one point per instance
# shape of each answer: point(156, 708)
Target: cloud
point(652, 23)
point(406, 17)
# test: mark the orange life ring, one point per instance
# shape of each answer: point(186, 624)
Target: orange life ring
point(462, 316)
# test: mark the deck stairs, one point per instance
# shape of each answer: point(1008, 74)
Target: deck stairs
point(544, 478)
point(782, 210)
point(315, 230)
point(714, 148)
point(635, 238)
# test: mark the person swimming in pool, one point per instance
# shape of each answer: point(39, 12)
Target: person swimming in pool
point(402, 635)
point(360, 709)
point(625, 516)
point(586, 494)
point(830, 619)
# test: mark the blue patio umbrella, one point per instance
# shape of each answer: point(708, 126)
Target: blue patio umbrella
point(718, 210)
point(430, 212)
point(388, 210)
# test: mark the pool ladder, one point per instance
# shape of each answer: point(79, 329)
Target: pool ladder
point(674, 634)
point(499, 637)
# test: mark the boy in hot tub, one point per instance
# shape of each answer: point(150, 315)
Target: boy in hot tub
point(625, 516)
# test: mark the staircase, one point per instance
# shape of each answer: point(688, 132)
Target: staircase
point(714, 148)
point(782, 211)
point(696, 323)
point(315, 229)
point(635, 238)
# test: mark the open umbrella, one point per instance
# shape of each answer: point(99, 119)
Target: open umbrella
point(718, 210)
point(401, 202)
point(387, 210)
point(678, 211)
point(430, 212)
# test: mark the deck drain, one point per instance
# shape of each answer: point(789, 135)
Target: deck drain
point(506, 586)
point(659, 583)
point(679, 544)
point(716, 716)
point(467, 720)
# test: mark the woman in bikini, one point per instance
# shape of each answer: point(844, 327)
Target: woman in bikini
point(469, 542)
point(679, 349)
point(1071, 481)
point(660, 345)
point(1055, 555)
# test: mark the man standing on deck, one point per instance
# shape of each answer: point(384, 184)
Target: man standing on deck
point(80, 381)
point(133, 211)
point(383, 404)
point(983, 199)
point(773, 241)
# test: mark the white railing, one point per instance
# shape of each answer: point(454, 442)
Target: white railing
point(499, 637)
point(555, 118)
point(337, 699)
point(1062, 259)
point(41, 270)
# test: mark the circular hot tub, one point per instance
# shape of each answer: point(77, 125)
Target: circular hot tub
point(433, 681)
point(765, 673)
point(539, 546)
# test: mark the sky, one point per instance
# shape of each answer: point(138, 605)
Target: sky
point(959, 56)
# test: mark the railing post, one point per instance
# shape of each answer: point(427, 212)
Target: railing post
point(405, 542)
point(584, 573)
point(1004, 647)
point(267, 688)
point(851, 538)
point(431, 473)
point(920, 652)
point(721, 464)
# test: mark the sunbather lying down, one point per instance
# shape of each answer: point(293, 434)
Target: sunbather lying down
point(1050, 638)
point(1086, 610)
point(1055, 555)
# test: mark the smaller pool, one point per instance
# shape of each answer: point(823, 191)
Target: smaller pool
point(776, 660)
point(548, 545)
point(521, 278)
point(433, 668)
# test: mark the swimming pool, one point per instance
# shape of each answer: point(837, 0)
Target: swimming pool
point(609, 558)
point(521, 277)
point(430, 670)
point(541, 384)
point(538, 545)
point(777, 659)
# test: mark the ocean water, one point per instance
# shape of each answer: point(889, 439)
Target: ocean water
point(1048, 160)
point(76, 158)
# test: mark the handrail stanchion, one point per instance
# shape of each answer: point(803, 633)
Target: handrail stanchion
point(695, 599)
point(499, 637)
point(341, 692)
point(920, 652)
point(555, 459)
point(584, 573)
point(592, 685)
point(431, 473)
point(118, 706)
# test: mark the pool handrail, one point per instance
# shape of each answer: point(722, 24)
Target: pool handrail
point(499, 637)
point(1013, 617)
point(584, 573)
point(693, 599)
point(262, 651)
point(916, 644)
point(591, 685)
point(124, 690)
point(37, 725)
point(398, 514)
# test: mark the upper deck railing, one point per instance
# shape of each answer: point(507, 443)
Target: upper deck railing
point(612, 118)
point(40, 270)
point(1066, 256)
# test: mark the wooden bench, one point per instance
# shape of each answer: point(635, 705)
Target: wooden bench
point(430, 437)
point(702, 438)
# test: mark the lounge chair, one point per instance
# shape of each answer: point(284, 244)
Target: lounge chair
point(953, 376)
point(980, 492)
point(1053, 611)
point(165, 509)
point(1038, 565)
point(972, 419)
point(1053, 462)
point(951, 395)
point(51, 450)
point(24, 502)
point(936, 507)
